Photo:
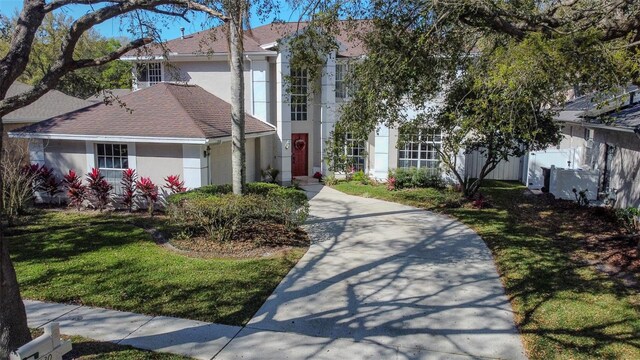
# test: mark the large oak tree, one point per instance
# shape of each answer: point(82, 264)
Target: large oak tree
point(497, 69)
point(22, 36)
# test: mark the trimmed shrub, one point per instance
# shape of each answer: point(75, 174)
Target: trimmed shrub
point(217, 214)
point(417, 178)
point(261, 188)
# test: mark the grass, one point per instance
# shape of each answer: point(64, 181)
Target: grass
point(425, 198)
point(564, 308)
point(104, 260)
point(87, 349)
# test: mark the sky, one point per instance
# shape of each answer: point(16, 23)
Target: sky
point(169, 30)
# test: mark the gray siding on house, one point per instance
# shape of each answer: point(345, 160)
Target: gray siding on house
point(625, 165)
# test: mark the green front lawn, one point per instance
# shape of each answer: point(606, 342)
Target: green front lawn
point(564, 308)
point(88, 349)
point(104, 260)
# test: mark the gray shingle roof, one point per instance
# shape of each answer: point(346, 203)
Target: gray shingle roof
point(51, 104)
point(214, 40)
point(618, 110)
point(163, 110)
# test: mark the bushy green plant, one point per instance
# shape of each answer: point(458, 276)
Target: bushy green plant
point(627, 218)
point(330, 180)
point(361, 177)
point(417, 178)
point(216, 212)
point(261, 188)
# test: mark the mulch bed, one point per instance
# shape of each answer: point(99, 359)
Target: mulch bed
point(257, 240)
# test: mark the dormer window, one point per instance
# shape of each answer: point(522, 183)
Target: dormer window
point(149, 73)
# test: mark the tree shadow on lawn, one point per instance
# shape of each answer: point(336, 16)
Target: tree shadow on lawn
point(107, 262)
point(557, 297)
point(55, 236)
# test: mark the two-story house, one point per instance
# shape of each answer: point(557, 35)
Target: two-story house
point(177, 119)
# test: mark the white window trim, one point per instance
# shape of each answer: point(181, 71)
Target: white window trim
point(146, 82)
point(348, 150)
point(295, 113)
point(345, 65)
point(420, 159)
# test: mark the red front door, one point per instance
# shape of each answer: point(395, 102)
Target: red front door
point(299, 154)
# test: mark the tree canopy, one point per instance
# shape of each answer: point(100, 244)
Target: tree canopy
point(497, 70)
point(84, 82)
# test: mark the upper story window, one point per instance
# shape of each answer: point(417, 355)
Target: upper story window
point(343, 90)
point(421, 152)
point(150, 73)
point(112, 159)
point(299, 95)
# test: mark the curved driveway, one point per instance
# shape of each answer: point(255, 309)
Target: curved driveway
point(383, 281)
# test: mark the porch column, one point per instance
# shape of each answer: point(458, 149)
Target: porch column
point(195, 165)
point(381, 155)
point(260, 89)
point(283, 121)
point(327, 106)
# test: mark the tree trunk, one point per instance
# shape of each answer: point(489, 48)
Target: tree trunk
point(236, 62)
point(13, 317)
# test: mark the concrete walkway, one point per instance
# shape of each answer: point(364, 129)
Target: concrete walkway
point(192, 338)
point(381, 280)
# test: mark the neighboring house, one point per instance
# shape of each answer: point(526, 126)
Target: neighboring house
point(166, 129)
point(600, 150)
point(300, 127)
point(51, 104)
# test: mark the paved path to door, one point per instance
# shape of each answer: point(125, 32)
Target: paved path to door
point(381, 281)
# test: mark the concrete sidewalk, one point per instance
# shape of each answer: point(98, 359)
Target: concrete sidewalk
point(381, 280)
point(192, 338)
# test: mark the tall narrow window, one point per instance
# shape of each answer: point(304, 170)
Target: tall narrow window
point(112, 159)
point(355, 152)
point(343, 91)
point(299, 95)
point(421, 152)
point(149, 73)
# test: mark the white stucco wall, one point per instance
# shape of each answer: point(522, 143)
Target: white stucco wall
point(213, 76)
point(157, 161)
point(220, 162)
point(63, 155)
